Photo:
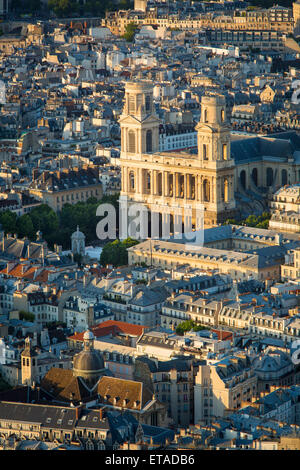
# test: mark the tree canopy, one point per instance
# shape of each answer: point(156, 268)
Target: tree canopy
point(189, 325)
point(57, 228)
point(68, 8)
point(115, 252)
point(130, 31)
point(258, 221)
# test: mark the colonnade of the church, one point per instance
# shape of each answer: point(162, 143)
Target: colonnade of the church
point(177, 185)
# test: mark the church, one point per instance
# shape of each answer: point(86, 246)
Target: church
point(90, 383)
point(227, 177)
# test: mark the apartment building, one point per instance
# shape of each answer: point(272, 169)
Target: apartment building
point(172, 383)
point(188, 306)
point(222, 386)
point(56, 188)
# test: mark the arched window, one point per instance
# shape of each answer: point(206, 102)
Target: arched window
point(131, 180)
point(222, 115)
point(170, 185)
point(131, 142)
point(205, 118)
point(131, 104)
point(283, 177)
point(206, 191)
point(148, 181)
point(224, 152)
point(269, 176)
point(149, 141)
point(101, 445)
point(254, 175)
point(148, 103)
point(192, 187)
point(139, 101)
point(243, 178)
point(205, 155)
point(226, 190)
point(159, 184)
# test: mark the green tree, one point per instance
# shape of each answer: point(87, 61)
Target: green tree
point(8, 220)
point(25, 226)
point(60, 7)
point(115, 252)
point(26, 6)
point(130, 31)
point(84, 215)
point(27, 316)
point(189, 325)
point(46, 220)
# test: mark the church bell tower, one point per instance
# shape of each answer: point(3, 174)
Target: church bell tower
point(215, 162)
point(139, 123)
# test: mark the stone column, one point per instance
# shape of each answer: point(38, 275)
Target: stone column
point(125, 178)
point(231, 188)
point(143, 140)
point(165, 183)
point(125, 139)
point(176, 185)
point(140, 181)
point(138, 141)
point(197, 188)
point(154, 182)
point(186, 186)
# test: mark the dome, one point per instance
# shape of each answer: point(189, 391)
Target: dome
point(78, 234)
point(88, 335)
point(88, 361)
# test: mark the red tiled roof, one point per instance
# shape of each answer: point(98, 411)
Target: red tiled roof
point(26, 272)
point(224, 335)
point(112, 327)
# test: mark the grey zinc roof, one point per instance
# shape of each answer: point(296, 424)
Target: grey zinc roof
point(281, 145)
point(145, 297)
point(91, 419)
point(179, 363)
point(39, 414)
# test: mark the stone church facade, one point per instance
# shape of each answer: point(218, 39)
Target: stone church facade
point(226, 178)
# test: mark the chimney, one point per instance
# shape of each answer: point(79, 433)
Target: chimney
point(101, 414)
point(45, 176)
point(78, 410)
point(35, 174)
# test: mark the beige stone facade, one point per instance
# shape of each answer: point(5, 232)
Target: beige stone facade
point(169, 183)
point(223, 386)
point(257, 20)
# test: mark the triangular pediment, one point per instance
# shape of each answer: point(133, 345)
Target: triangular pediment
point(134, 120)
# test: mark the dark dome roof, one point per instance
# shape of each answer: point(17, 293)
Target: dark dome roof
point(88, 361)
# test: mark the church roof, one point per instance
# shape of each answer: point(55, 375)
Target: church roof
point(255, 148)
point(279, 146)
point(78, 234)
point(123, 393)
point(88, 361)
point(61, 384)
